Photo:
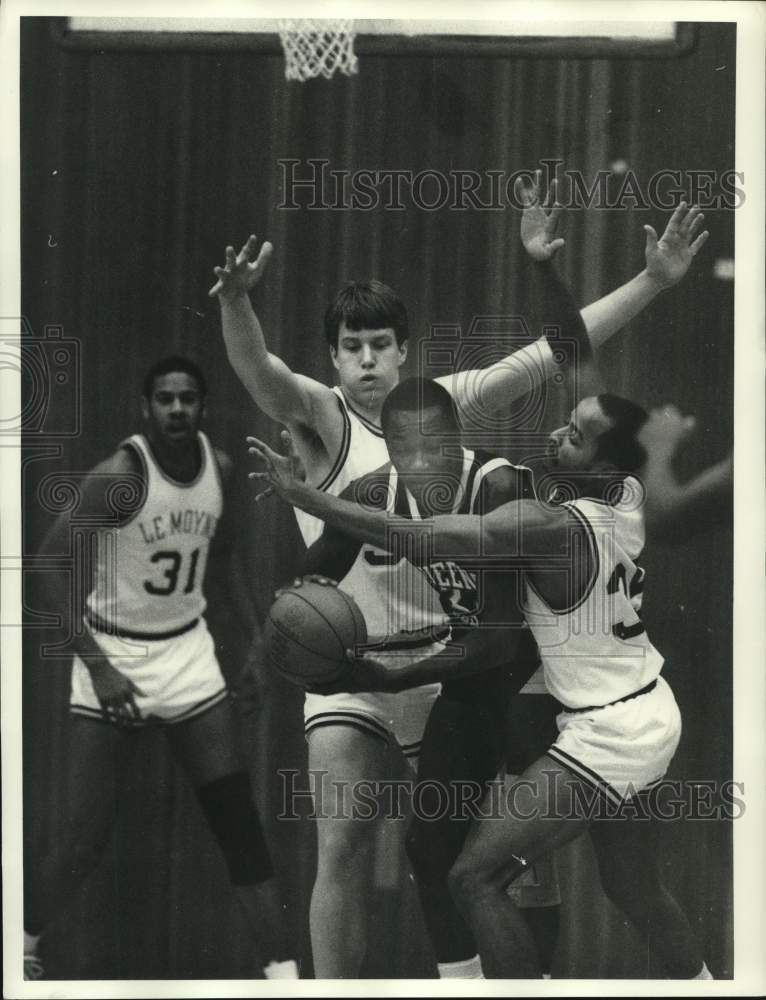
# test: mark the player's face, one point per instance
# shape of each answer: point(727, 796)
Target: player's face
point(175, 409)
point(575, 445)
point(426, 454)
point(368, 363)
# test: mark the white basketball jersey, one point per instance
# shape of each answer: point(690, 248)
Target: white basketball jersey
point(597, 651)
point(363, 449)
point(150, 570)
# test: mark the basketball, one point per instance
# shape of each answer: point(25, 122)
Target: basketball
point(308, 630)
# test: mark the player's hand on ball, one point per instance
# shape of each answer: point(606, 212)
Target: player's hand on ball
point(669, 256)
point(115, 692)
point(323, 581)
point(242, 271)
point(538, 224)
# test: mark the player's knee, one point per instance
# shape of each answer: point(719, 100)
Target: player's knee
point(468, 879)
point(233, 818)
point(472, 877)
point(344, 844)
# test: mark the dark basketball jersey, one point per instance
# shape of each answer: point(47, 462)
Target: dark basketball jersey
point(397, 596)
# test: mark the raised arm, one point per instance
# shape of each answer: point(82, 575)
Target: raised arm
point(515, 532)
point(675, 511)
point(668, 258)
point(278, 391)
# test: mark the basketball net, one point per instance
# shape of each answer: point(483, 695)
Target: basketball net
point(317, 48)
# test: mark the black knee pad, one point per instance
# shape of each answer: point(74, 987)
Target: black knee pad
point(229, 809)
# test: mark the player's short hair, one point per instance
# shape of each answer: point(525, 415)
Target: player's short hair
point(174, 363)
point(366, 305)
point(415, 394)
point(619, 444)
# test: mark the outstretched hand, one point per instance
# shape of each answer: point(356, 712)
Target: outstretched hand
point(669, 256)
point(283, 474)
point(664, 431)
point(538, 224)
point(242, 271)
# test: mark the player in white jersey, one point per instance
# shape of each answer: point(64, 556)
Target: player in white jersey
point(620, 724)
point(362, 449)
point(144, 656)
point(366, 329)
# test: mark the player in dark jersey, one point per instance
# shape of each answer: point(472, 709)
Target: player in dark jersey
point(144, 656)
point(619, 725)
point(465, 737)
point(455, 952)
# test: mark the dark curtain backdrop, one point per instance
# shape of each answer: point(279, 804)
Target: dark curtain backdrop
point(137, 170)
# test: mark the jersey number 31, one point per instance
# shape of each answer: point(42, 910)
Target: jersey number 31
point(171, 569)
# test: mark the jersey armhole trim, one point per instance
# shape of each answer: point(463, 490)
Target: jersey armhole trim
point(533, 484)
point(132, 446)
point(594, 575)
point(207, 445)
point(480, 475)
point(342, 455)
point(369, 425)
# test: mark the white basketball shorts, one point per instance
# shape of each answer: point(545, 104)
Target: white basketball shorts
point(179, 677)
point(400, 717)
point(623, 748)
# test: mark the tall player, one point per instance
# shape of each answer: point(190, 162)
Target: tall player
point(338, 438)
point(467, 734)
point(620, 724)
point(145, 656)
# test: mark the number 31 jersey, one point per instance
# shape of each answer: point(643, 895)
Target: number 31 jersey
point(151, 569)
point(596, 650)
